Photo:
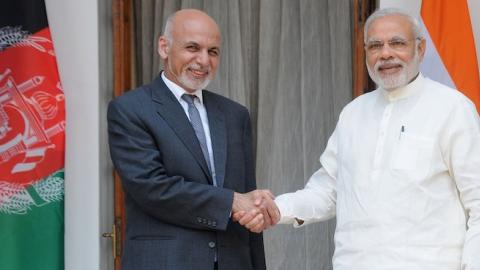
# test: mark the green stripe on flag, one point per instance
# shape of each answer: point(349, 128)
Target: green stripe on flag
point(31, 234)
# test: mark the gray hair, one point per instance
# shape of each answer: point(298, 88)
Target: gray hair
point(167, 32)
point(416, 29)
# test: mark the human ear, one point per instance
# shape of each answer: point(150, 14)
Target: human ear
point(163, 47)
point(421, 48)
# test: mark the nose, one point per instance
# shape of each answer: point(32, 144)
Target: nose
point(386, 52)
point(203, 58)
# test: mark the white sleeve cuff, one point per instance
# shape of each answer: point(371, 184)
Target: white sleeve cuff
point(286, 212)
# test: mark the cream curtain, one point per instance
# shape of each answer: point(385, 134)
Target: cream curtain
point(290, 63)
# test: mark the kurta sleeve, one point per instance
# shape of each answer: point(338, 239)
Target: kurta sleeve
point(461, 150)
point(317, 201)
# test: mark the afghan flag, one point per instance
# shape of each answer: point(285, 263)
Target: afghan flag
point(451, 57)
point(32, 141)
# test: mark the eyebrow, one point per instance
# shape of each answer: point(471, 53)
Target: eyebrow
point(191, 43)
point(194, 43)
point(392, 38)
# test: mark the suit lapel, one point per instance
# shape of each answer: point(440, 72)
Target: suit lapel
point(172, 112)
point(218, 134)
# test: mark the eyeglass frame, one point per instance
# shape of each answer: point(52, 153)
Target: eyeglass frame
point(389, 42)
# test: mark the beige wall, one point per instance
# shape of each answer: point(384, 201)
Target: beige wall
point(81, 32)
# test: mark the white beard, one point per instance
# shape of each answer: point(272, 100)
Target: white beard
point(394, 81)
point(190, 83)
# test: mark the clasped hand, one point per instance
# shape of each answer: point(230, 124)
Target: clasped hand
point(255, 210)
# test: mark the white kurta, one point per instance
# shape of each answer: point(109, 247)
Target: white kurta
point(401, 172)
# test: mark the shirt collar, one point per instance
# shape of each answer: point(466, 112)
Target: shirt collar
point(178, 91)
point(405, 91)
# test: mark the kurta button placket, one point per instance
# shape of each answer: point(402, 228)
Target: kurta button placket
point(381, 136)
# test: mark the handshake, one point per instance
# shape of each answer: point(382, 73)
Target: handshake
point(255, 210)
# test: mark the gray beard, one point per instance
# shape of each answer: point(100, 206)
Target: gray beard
point(390, 83)
point(187, 82)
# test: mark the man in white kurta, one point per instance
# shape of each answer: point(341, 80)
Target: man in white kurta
point(401, 171)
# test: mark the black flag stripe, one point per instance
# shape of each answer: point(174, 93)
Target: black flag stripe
point(31, 15)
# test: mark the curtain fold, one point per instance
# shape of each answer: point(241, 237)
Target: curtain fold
point(290, 63)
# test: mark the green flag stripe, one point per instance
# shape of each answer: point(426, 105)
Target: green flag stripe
point(33, 239)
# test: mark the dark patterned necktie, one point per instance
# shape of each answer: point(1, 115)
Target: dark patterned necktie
point(196, 122)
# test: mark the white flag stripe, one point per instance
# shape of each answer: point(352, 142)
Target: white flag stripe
point(474, 9)
point(432, 65)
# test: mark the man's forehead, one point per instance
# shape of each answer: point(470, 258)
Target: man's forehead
point(390, 27)
point(196, 32)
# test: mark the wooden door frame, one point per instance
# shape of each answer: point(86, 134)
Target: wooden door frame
point(361, 81)
point(122, 76)
point(122, 17)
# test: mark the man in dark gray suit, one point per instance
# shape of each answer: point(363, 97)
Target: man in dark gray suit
point(185, 159)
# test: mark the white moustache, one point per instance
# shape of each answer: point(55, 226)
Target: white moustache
point(199, 68)
point(389, 63)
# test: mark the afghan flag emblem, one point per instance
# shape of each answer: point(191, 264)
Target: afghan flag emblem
point(32, 140)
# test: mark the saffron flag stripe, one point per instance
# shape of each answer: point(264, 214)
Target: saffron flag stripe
point(449, 26)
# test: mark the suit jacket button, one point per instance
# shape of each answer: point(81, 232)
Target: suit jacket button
point(211, 244)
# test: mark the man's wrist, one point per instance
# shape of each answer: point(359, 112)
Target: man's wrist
point(235, 203)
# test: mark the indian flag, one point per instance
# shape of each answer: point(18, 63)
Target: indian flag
point(451, 53)
point(32, 139)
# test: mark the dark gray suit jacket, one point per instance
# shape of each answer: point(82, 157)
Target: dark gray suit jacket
point(176, 219)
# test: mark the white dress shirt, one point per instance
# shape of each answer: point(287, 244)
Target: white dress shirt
point(401, 172)
point(198, 102)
